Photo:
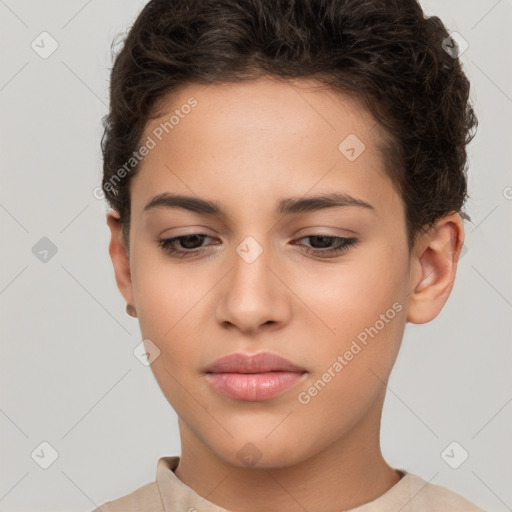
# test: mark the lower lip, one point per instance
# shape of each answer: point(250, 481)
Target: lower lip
point(254, 387)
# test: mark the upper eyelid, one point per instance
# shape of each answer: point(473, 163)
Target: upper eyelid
point(330, 235)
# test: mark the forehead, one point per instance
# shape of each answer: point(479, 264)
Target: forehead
point(258, 139)
point(301, 107)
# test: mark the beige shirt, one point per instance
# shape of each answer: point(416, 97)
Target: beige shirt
point(169, 494)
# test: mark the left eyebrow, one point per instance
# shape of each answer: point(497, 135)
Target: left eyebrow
point(290, 205)
point(312, 203)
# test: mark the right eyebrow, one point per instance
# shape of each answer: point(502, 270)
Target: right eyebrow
point(190, 203)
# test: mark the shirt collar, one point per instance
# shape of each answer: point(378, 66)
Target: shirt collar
point(176, 495)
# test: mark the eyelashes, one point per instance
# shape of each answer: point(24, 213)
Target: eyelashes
point(170, 245)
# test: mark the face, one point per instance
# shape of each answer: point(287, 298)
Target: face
point(324, 284)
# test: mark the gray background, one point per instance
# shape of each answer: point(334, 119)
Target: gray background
point(68, 374)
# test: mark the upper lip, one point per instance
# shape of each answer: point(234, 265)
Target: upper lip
point(252, 363)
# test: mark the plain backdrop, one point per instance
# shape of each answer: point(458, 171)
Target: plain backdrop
point(68, 374)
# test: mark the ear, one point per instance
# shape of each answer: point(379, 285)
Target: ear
point(120, 258)
point(433, 269)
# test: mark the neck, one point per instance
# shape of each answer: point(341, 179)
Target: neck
point(346, 474)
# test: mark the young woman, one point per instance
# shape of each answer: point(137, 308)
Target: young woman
point(287, 181)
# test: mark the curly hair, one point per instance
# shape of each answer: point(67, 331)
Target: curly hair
point(385, 52)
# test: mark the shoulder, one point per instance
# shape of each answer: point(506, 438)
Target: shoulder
point(145, 498)
point(427, 497)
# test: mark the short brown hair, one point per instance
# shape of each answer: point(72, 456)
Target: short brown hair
point(386, 52)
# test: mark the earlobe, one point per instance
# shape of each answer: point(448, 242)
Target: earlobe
point(434, 269)
point(119, 257)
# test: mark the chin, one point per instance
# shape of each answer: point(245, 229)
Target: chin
point(261, 452)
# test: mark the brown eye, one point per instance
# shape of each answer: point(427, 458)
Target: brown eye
point(182, 246)
point(322, 245)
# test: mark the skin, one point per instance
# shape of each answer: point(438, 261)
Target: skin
point(246, 146)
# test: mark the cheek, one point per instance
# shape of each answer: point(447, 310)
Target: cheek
point(359, 314)
point(352, 294)
point(166, 307)
point(167, 296)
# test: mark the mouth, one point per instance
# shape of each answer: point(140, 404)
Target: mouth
point(254, 378)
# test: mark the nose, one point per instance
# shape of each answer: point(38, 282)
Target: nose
point(253, 295)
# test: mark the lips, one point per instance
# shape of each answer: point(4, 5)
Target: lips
point(252, 363)
point(255, 377)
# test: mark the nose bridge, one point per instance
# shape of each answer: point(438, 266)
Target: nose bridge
point(253, 295)
point(251, 275)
